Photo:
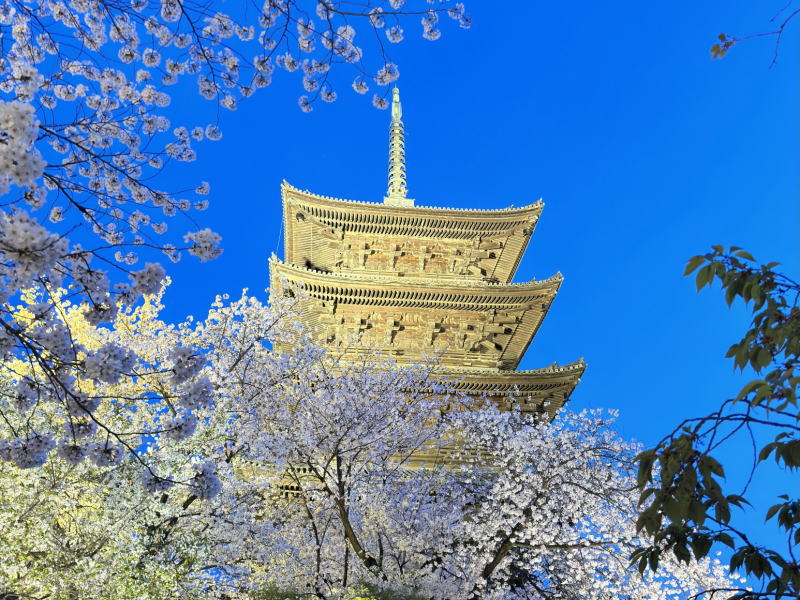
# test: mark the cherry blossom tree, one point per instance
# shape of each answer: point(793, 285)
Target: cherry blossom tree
point(143, 506)
point(516, 509)
point(315, 476)
point(84, 134)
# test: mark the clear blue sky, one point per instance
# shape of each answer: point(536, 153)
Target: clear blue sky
point(644, 149)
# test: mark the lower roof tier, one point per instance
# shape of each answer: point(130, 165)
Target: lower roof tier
point(463, 324)
point(540, 391)
point(537, 390)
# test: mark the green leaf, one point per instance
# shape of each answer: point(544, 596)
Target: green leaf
point(701, 544)
point(726, 539)
point(646, 460)
point(681, 552)
point(693, 263)
point(697, 512)
point(767, 450)
point(763, 358)
point(737, 559)
point(791, 453)
point(772, 510)
point(704, 277)
point(642, 566)
point(748, 389)
point(722, 513)
point(712, 464)
point(758, 296)
point(652, 561)
point(730, 294)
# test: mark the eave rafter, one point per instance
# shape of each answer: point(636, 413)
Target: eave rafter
point(419, 292)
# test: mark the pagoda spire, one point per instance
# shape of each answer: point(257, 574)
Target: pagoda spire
point(396, 193)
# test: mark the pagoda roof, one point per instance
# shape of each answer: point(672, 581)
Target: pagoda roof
point(538, 391)
point(529, 303)
point(546, 388)
point(512, 294)
point(309, 217)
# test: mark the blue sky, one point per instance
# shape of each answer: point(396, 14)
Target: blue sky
point(644, 150)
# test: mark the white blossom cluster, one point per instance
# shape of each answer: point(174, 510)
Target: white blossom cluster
point(147, 281)
point(520, 508)
point(29, 250)
point(27, 452)
point(181, 427)
point(204, 244)
point(199, 393)
point(205, 484)
point(186, 363)
point(20, 163)
point(108, 363)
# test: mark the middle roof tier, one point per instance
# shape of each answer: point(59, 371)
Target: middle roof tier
point(468, 324)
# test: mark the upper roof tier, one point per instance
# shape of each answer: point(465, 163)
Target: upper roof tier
point(470, 324)
point(337, 235)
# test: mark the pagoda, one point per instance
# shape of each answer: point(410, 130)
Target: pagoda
point(416, 281)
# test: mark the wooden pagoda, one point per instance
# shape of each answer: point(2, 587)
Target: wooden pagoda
point(416, 281)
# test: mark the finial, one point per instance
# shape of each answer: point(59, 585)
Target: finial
point(396, 194)
point(397, 110)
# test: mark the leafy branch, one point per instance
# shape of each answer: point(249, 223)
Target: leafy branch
point(685, 509)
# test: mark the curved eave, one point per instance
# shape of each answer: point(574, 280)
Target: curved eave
point(546, 288)
point(508, 381)
point(554, 371)
point(538, 390)
point(288, 191)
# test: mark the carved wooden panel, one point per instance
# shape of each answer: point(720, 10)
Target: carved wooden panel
point(428, 257)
